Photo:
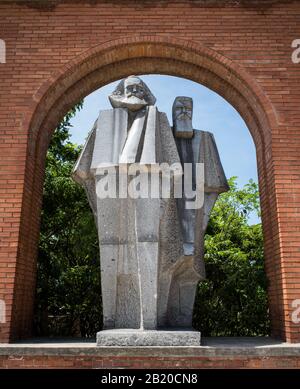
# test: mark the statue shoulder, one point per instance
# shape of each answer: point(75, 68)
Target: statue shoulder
point(163, 121)
point(104, 113)
point(206, 151)
point(169, 153)
point(161, 114)
point(203, 133)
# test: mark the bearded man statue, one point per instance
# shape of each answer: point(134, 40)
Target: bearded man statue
point(134, 132)
point(144, 244)
point(194, 147)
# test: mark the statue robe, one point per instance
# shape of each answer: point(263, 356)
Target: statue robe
point(147, 281)
point(190, 268)
point(129, 229)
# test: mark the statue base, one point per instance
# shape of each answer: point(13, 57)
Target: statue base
point(135, 337)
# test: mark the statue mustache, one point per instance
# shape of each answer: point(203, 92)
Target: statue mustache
point(183, 116)
point(135, 95)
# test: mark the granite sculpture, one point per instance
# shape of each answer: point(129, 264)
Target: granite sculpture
point(194, 146)
point(151, 248)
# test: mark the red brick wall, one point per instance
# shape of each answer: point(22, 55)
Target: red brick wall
point(57, 55)
point(81, 362)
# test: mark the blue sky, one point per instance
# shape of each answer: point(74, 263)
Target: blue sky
point(211, 113)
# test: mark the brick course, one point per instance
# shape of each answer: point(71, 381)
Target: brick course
point(92, 362)
point(58, 54)
point(217, 353)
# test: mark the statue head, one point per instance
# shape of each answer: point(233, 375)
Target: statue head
point(182, 113)
point(132, 93)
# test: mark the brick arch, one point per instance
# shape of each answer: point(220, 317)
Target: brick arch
point(108, 62)
point(112, 60)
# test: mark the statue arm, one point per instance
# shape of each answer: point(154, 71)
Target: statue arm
point(81, 172)
point(215, 179)
point(205, 151)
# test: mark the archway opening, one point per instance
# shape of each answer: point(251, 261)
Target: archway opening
point(231, 302)
point(115, 60)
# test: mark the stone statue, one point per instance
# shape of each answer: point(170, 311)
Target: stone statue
point(150, 249)
point(194, 147)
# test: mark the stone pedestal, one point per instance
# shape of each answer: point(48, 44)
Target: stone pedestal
point(135, 337)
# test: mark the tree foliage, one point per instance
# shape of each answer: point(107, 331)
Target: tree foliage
point(232, 300)
point(68, 301)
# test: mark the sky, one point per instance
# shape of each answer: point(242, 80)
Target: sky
point(210, 113)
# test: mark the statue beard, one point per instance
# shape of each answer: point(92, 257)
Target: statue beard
point(133, 103)
point(183, 125)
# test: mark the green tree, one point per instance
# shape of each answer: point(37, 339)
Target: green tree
point(68, 301)
point(232, 301)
